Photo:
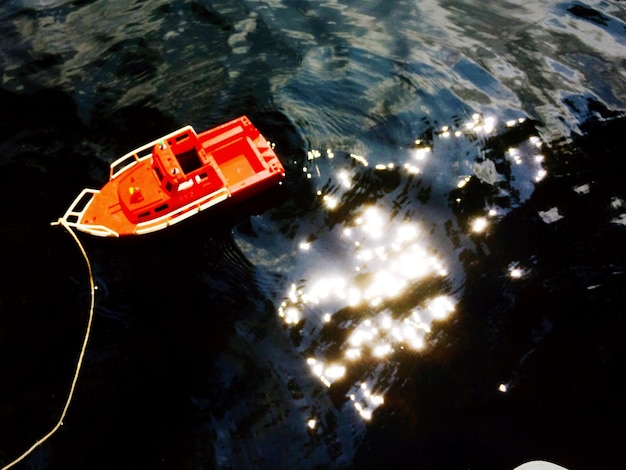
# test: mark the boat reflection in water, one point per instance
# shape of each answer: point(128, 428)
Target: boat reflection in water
point(385, 269)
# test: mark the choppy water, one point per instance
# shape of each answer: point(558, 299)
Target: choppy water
point(439, 286)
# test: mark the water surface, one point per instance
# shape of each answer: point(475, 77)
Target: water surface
point(438, 285)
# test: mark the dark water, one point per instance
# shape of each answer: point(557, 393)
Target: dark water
point(440, 285)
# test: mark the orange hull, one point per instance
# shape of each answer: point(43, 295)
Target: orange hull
point(176, 177)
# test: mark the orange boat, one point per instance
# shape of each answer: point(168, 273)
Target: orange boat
point(176, 177)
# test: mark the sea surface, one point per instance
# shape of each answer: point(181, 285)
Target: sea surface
point(440, 283)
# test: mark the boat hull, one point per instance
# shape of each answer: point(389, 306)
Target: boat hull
point(177, 177)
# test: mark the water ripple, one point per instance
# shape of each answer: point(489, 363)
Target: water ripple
point(409, 130)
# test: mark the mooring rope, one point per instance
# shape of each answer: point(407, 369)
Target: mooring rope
point(70, 394)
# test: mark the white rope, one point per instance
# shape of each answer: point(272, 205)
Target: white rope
point(70, 394)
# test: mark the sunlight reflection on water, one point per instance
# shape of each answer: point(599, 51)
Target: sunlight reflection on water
point(355, 306)
point(373, 269)
point(411, 128)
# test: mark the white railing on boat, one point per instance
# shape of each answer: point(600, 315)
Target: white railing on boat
point(77, 209)
point(73, 215)
point(142, 153)
point(183, 213)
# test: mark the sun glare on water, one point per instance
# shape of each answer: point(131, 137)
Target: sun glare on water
point(377, 288)
point(382, 261)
